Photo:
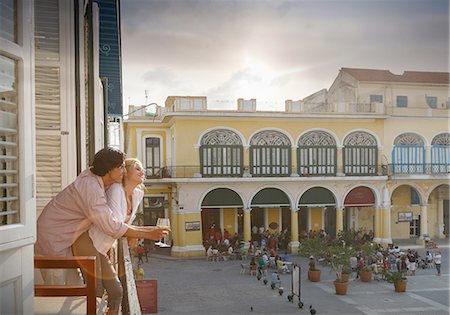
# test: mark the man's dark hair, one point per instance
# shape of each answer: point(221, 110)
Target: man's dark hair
point(106, 159)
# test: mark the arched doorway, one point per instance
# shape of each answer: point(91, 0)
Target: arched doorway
point(317, 211)
point(222, 209)
point(270, 210)
point(405, 212)
point(359, 212)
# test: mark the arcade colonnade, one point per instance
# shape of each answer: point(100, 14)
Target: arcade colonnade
point(330, 205)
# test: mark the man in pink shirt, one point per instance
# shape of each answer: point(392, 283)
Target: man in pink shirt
point(83, 203)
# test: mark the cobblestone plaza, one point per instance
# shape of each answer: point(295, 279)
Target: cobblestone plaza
point(196, 286)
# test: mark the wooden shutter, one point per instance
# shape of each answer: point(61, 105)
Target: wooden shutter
point(48, 101)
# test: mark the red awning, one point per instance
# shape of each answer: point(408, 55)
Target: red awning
point(360, 197)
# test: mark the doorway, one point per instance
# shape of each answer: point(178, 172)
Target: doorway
point(414, 227)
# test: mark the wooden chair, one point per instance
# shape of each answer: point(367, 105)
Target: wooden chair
point(87, 265)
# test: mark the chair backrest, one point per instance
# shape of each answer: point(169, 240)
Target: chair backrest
point(86, 263)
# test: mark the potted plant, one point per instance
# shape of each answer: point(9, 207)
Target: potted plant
point(340, 261)
point(398, 279)
point(346, 272)
point(313, 272)
point(366, 274)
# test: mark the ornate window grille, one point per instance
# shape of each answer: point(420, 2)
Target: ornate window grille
point(360, 154)
point(152, 157)
point(440, 153)
point(270, 154)
point(408, 154)
point(316, 154)
point(221, 154)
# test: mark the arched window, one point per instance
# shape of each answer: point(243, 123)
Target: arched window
point(316, 154)
point(440, 153)
point(408, 154)
point(221, 153)
point(360, 154)
point(270, 154)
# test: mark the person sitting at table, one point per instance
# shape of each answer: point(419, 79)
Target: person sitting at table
point(275, 279)
point(253, 266)
point(262, 266)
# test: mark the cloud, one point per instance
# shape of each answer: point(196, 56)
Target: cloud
point(199, 47)
point(161, 75)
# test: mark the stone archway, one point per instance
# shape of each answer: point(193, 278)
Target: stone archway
point(359, 212)
point(221, 208)
point(268, 206)
point(317, 211)
point(406, 212)
point(438, 212)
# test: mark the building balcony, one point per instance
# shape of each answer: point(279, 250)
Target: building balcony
point(195, 171)
point(340, 108)
point(405, 170)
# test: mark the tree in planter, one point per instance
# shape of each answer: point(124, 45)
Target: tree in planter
point(398, 279)
point(340, 262)
point(366, 274)
point(340, 259)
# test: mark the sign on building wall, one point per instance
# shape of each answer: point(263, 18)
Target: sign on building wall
point(192, 226)
point(405, 216)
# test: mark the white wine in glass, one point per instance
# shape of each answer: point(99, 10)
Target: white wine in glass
point(165, 224)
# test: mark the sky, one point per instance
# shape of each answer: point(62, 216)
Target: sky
point(272, 50)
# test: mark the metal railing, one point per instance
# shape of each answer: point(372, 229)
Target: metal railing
point(417, 169)
point(313, 171)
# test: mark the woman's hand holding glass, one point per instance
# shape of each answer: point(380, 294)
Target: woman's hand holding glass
point(163, 223)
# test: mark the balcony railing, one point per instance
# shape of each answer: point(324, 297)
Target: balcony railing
point(313, 171)
point(417, 169)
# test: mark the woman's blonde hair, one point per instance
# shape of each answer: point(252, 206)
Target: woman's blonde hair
point(132, 162)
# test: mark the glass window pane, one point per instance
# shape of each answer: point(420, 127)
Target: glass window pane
point(8, 20)
point(402, 101)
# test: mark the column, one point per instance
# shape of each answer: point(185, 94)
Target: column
point(294, 231)
point(385, 216)
point(339, 160)
point(386, 228)
point(174, 218)
point(378, 233)
point(423, 221)
point(339, 220)
point(440, 217)
point(427, 158)
point(247, 225)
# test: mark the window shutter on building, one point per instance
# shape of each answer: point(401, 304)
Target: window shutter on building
point(9, 159)
point(48, 101)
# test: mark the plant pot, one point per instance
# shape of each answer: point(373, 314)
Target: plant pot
point(345, 276)
point(341, 287)
point(314, 275)
point(366, 276)
point(400, 286)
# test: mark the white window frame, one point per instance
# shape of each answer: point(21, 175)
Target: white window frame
point(144, 151)
point(23, 233)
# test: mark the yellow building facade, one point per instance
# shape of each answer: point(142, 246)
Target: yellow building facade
point(370, 153)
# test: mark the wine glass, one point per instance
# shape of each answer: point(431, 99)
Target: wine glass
point(165, 224)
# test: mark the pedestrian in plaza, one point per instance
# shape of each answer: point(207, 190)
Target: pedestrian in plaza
point(437, 262)
point(141, 252)
point(82, 205)
point(139, 272)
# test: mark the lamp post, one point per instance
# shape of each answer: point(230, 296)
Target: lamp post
point(142, 107)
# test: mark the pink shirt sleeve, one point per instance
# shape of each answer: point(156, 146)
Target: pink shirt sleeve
point(99, 213)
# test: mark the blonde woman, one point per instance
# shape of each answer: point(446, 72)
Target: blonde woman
point(123, 200)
